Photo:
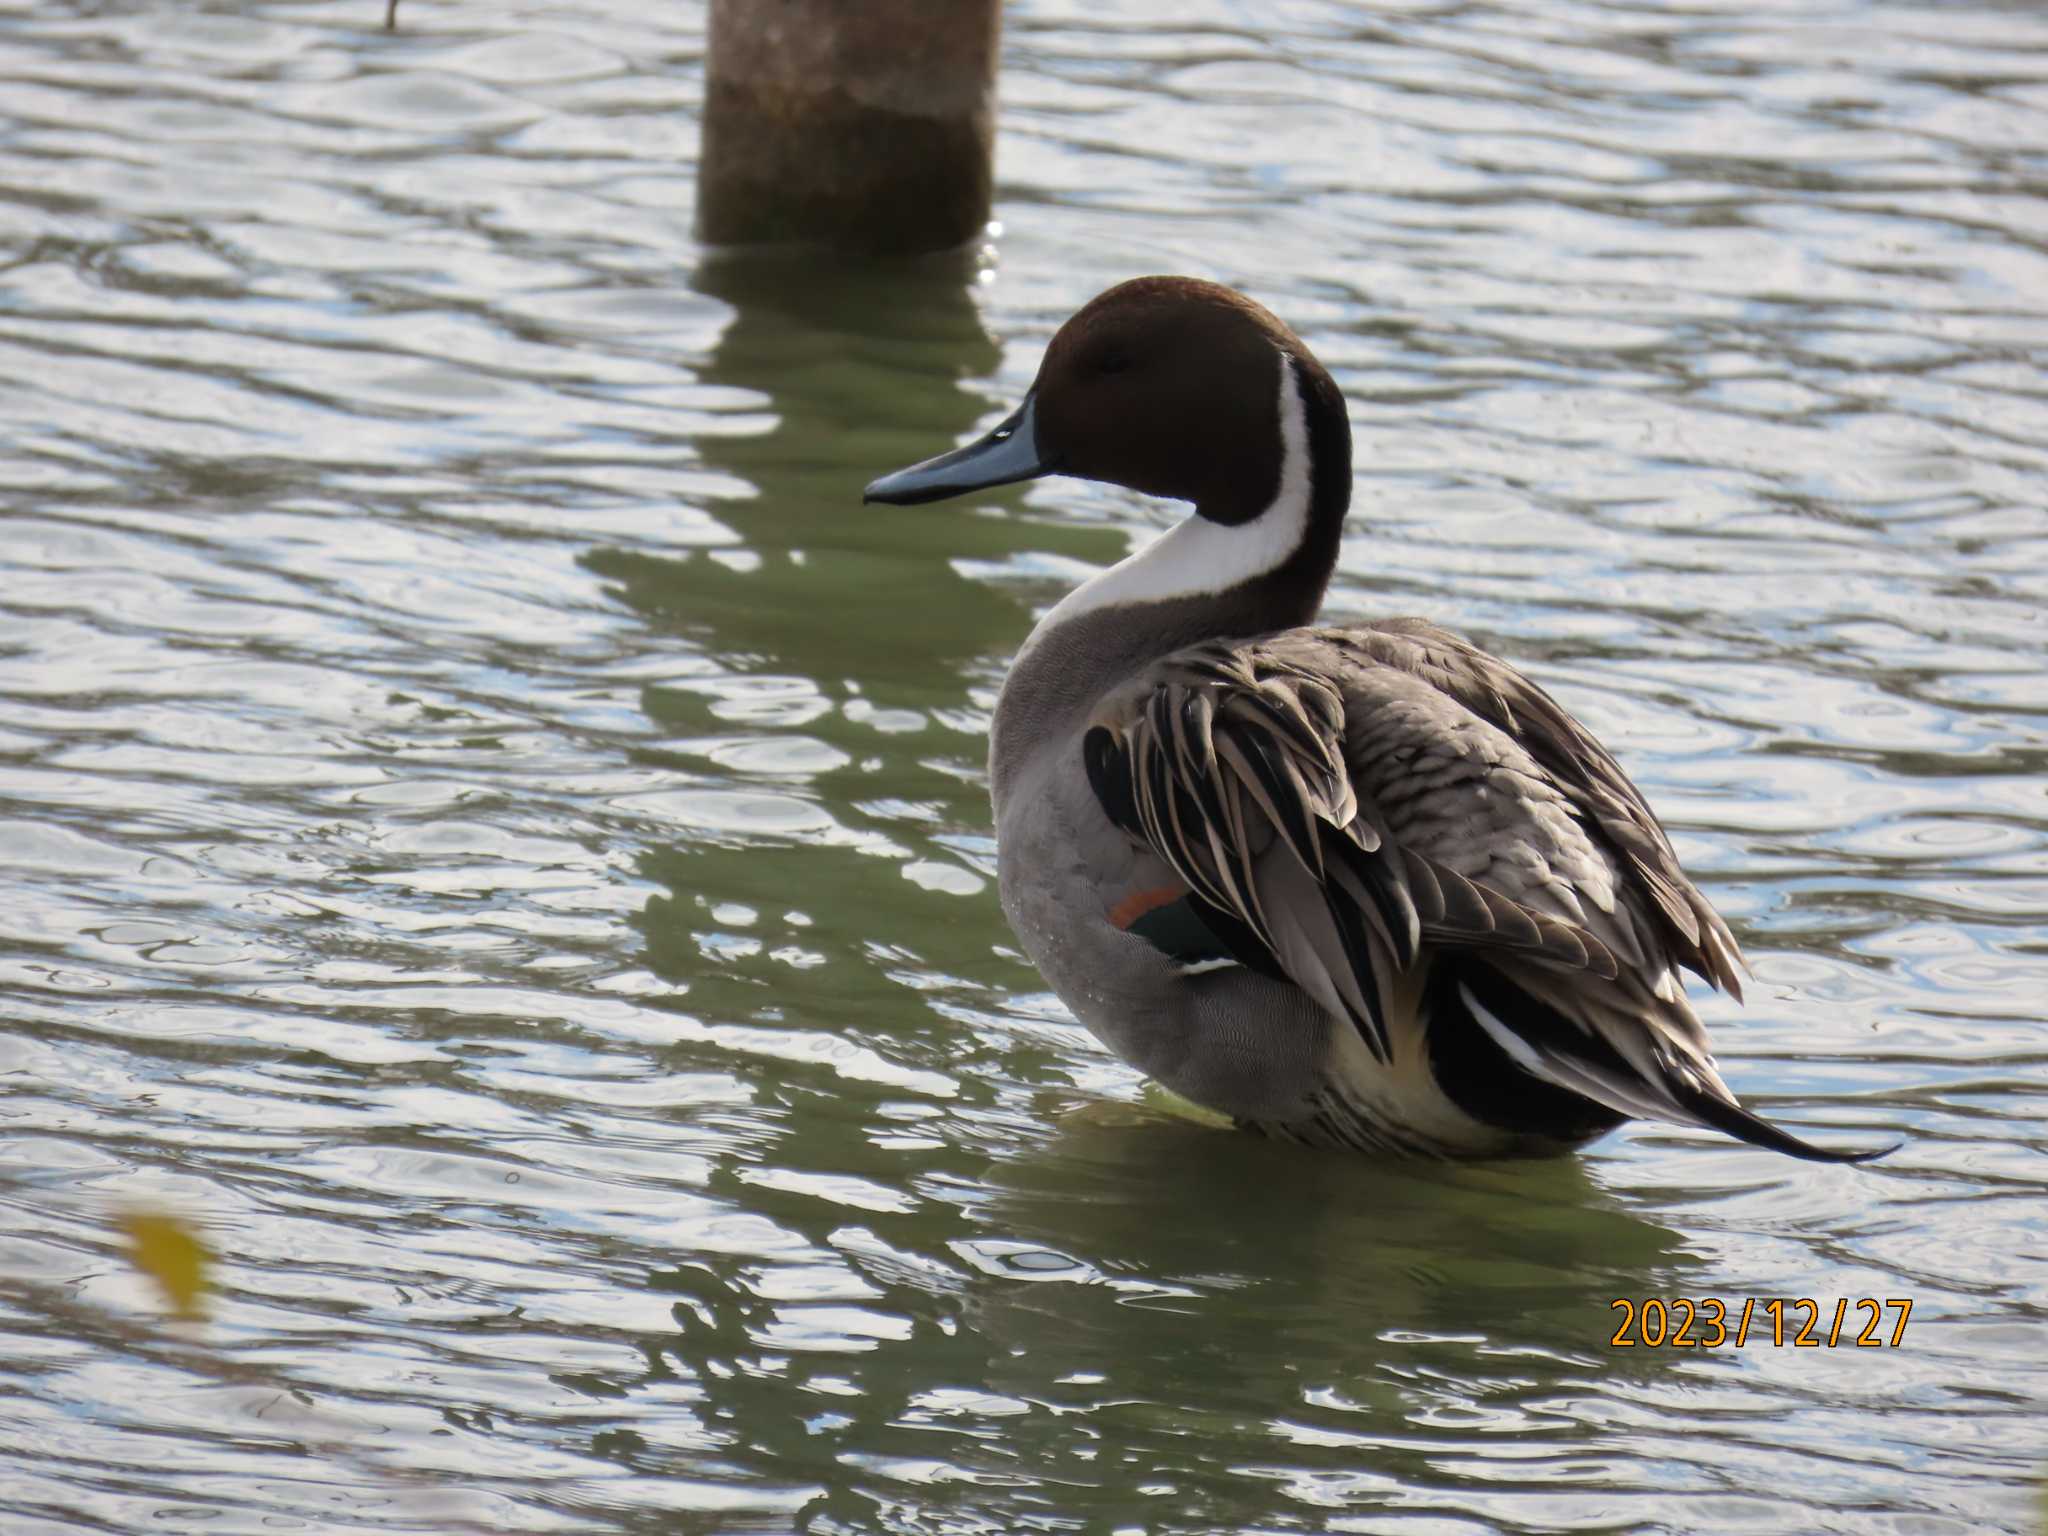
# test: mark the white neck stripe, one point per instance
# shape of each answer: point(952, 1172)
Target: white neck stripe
point(1198, 558)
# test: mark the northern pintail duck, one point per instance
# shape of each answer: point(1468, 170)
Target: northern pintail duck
point(1362, 885)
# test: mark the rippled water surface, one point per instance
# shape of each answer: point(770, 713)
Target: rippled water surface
point(492, 830)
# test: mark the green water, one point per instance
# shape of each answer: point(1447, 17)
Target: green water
point(495, 833)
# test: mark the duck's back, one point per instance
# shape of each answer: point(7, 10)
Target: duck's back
point(1571, 770)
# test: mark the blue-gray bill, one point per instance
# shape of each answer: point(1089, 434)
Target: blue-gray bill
point(1006, 454)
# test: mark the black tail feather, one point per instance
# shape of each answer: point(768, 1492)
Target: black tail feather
point(1455, 1038)
point(1744, 1126)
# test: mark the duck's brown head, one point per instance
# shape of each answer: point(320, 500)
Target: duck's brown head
point(1172, 386)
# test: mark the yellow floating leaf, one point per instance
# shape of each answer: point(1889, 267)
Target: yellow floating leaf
point(172, 1254)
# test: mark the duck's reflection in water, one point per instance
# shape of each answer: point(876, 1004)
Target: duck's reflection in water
point(1291, 1260)
point(1110, 1310)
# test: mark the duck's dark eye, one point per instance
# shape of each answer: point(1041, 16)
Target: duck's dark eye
point(1112, 360)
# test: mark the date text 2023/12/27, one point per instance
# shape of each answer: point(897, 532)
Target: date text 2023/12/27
point(1684, 1322)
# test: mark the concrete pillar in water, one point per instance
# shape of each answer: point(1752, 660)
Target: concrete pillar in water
point(868, 125)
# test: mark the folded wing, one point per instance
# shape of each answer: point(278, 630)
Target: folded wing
point(1358, 810)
